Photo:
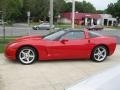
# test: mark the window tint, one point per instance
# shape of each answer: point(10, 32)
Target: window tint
point(45, 23)
point(73, 35)
point(93, 34)
point(53, 36)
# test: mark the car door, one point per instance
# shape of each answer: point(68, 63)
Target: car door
point(74, 45)
point(47, 26)
point(71, 45)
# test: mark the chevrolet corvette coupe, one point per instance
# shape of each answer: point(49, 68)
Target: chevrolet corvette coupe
point(62, 44)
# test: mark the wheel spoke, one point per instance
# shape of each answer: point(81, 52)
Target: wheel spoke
point(102, 55)
point(23, 53)
point(99, 57)
point(99, 50)
point(103, 51)
point(28, 59)
point(29, 51)
point(96, 54)
point(31, 56)
point(23, 57)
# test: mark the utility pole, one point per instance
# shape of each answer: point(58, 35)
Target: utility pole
point(51, 15)
point(3, 24)
point(73, 14)
point(28, 14)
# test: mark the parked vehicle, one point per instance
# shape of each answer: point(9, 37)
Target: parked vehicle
point(62, 44)
point(43, 26)
point(95, 27)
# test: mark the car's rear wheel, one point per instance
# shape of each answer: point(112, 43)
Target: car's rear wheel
point(99, 54)
point(27, 55)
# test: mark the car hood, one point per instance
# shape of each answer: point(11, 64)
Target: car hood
point(35, 37)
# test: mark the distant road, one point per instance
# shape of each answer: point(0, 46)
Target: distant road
point(19, 30)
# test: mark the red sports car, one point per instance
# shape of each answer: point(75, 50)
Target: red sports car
point(62, 44)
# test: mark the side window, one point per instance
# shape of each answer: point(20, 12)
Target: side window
point(74, 35)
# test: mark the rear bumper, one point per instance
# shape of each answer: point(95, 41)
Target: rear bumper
point(112, 49)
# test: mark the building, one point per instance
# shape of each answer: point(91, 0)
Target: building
point(108, 20)
point(88, 19)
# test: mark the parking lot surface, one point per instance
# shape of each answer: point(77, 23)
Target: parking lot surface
point(50, 75)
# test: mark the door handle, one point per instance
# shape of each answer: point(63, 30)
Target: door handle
point(88, 41)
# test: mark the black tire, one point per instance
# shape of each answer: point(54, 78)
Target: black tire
point(37, 28)
point(34, 28)
point(94, 52)
point(25, 61)
point(47, 29)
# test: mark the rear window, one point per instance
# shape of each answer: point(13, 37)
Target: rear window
point(74, 35)
point(93, 35)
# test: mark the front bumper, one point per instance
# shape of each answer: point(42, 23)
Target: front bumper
point(34, 28)
point(10, 53)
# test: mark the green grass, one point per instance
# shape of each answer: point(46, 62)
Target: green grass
point(2, 48)
point(63, 26)
point(4, 42)
point(116, 27)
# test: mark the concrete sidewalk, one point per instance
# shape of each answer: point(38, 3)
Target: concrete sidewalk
point(50, 75)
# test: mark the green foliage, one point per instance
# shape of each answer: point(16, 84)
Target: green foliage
point(114, 9)
point(68, 7)
point(11, 8)
point(84, 7)
point(100, 11)
point(16, 10)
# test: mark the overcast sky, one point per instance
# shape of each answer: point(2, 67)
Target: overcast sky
point(99, 4)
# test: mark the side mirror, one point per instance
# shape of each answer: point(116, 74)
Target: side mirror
point(64, 40)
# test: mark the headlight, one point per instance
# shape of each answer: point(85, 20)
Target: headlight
point(12, 44)
point(35, 26)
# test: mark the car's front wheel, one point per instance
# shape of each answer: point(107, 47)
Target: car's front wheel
point(27, 55)
point(99, 54)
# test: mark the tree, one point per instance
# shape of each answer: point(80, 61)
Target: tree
point(84, 7)
point(11, 8)
point(87, 7)
point(40, 8)
point(68, 7)
point(16, 10)
point(114, 9)
point(100, 11)
point(58, 7)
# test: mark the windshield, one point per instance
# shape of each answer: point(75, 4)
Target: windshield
point(54, 35)
point(45, 24)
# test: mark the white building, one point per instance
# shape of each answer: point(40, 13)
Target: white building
point(107, 20)
point(88, 19)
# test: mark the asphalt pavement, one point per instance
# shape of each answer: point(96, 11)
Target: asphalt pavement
point(21, 31)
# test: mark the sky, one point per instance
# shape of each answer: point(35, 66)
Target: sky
point(100, 4)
